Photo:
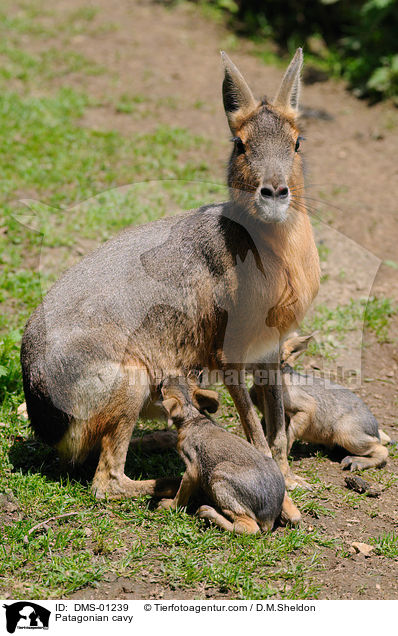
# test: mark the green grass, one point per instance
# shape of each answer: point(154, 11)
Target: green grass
point(334, 323)
point(310, 502)
point(128, 104)
point(323, 251)
point(386, 545)
point(10, 371)
point(374, 312)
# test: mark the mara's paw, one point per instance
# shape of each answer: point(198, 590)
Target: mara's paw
point(120, 486)
point(206, 512)
point(105, 489)
point(166, 504)
point(113, 488)
point(290, 513)
point(355, 463)
point(294, 481)
point(384, 438)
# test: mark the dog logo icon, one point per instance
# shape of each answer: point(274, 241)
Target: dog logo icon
point(26, 615)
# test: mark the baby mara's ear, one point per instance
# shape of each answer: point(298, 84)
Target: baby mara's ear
point(205, 400)
point(173, 407)
point(294, 346)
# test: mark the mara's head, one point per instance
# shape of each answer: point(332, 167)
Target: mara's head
point(184, 398)
point(265, 165)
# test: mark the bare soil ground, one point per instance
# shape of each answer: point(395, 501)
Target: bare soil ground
point(172, 58)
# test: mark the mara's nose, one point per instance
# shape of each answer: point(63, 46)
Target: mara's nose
point(268, 191)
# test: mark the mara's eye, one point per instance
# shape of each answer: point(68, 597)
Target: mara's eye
point(297, 146)
point(239, 145)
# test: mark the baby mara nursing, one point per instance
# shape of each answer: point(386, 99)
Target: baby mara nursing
point(246, 487)
point(328, 414)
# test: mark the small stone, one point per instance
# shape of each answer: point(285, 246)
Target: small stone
point(22, 411)
point(360, 485)
point(8, 503)
point(362, 548)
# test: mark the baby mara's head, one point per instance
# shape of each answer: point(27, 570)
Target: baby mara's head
point(184, 399)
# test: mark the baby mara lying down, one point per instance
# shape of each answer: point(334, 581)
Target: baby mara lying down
point(247, 487)
point(329, 415)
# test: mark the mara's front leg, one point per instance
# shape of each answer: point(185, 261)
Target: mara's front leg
point(268, 397)
point(249, 419)
point(188, 486)
point(269, 400)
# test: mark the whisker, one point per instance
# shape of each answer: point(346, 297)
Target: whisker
point(317, 185)
point(320, 202)
point(307, 208)
point(247, 186)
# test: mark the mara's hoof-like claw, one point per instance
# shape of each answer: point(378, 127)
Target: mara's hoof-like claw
point(346, 463)
point(165, 504)
point(293, 481)
point(353, 463)
point(205, 512)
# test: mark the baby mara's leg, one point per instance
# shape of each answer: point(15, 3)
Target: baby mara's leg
point(241, 524)
point(237, 500)
point(188, 486)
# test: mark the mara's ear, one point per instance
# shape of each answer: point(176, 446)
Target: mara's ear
point(294, 346)
point(173, 407)
point(206, 400)
point(288, 94)
point(238, 98)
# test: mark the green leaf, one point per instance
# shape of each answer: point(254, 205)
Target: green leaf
point(392, 264)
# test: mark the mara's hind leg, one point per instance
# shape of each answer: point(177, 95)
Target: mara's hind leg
point(155, 442)
point(241, 524)
point(374, 456)
point(116, 423)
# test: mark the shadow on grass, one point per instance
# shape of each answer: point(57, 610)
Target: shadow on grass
point(304, 450)
point(32, 456)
